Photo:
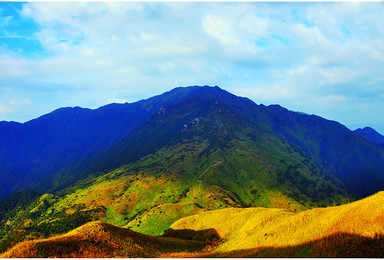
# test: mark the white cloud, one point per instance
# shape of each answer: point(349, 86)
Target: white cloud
point(12, 64)
point(286, 52)
point(107, 37)
point(25, 101)
point(338, 75)
point(12, 67)
point(221, 29)
point(4, 109)
point(330, 100)
point(12, 105)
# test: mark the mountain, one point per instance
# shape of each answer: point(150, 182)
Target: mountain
point(370, 134)
point(191, 150)
point(353, 160)
point(215, 126)
point(43, 146)
point(70, 144)
point(326, 148)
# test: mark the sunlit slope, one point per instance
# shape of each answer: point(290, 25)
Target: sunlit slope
point(255, 228)
point(97, 239)
point(355, 229)
point(187, 178)
point(146, 197)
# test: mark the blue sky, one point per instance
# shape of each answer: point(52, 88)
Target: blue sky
point(318, 58)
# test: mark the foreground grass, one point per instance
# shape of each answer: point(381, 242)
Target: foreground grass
point(101, 240)
point(352, 230)
point(347, 230)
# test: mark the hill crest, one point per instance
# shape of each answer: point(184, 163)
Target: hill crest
point(370, 134)
point(253, 229)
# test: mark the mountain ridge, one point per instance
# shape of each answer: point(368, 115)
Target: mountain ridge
point(205, 150)
point(330, 144)
point(75, 135)
point(42, 146)
point(370, 134)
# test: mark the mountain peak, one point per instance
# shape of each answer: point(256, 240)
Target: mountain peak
point(370, 134)
point(199, 90)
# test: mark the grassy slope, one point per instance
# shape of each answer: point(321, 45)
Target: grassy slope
point(182, 180)
point(354, 229)
point(213, 164)
point(97, 239)
point(147, 196)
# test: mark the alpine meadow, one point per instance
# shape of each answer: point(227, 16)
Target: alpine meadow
point(270, 146)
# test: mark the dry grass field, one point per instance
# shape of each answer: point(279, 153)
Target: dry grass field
point(101, 240)
point(351, 230)
point(354, 229)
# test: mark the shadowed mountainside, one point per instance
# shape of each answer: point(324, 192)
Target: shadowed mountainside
point(56, 150)
point(219, 116)
point(33, 150)
point(336, 245)
point(370, 134)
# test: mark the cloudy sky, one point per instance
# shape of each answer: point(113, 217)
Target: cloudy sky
point(318, 58)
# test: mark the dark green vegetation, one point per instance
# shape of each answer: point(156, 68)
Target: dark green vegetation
point(187, 151)
point(30, 216)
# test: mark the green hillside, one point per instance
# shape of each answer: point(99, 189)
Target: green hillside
point(186, 178)
point(329, 149)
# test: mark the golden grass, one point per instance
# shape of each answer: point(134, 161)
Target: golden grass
point(101, 240)
point(352, 230)
point(275, 228)
point(336, 245)
point(279, 200)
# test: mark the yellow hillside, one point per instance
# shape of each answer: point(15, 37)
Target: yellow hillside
point(355, 229)
point(101, 240)
point(329, 229)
